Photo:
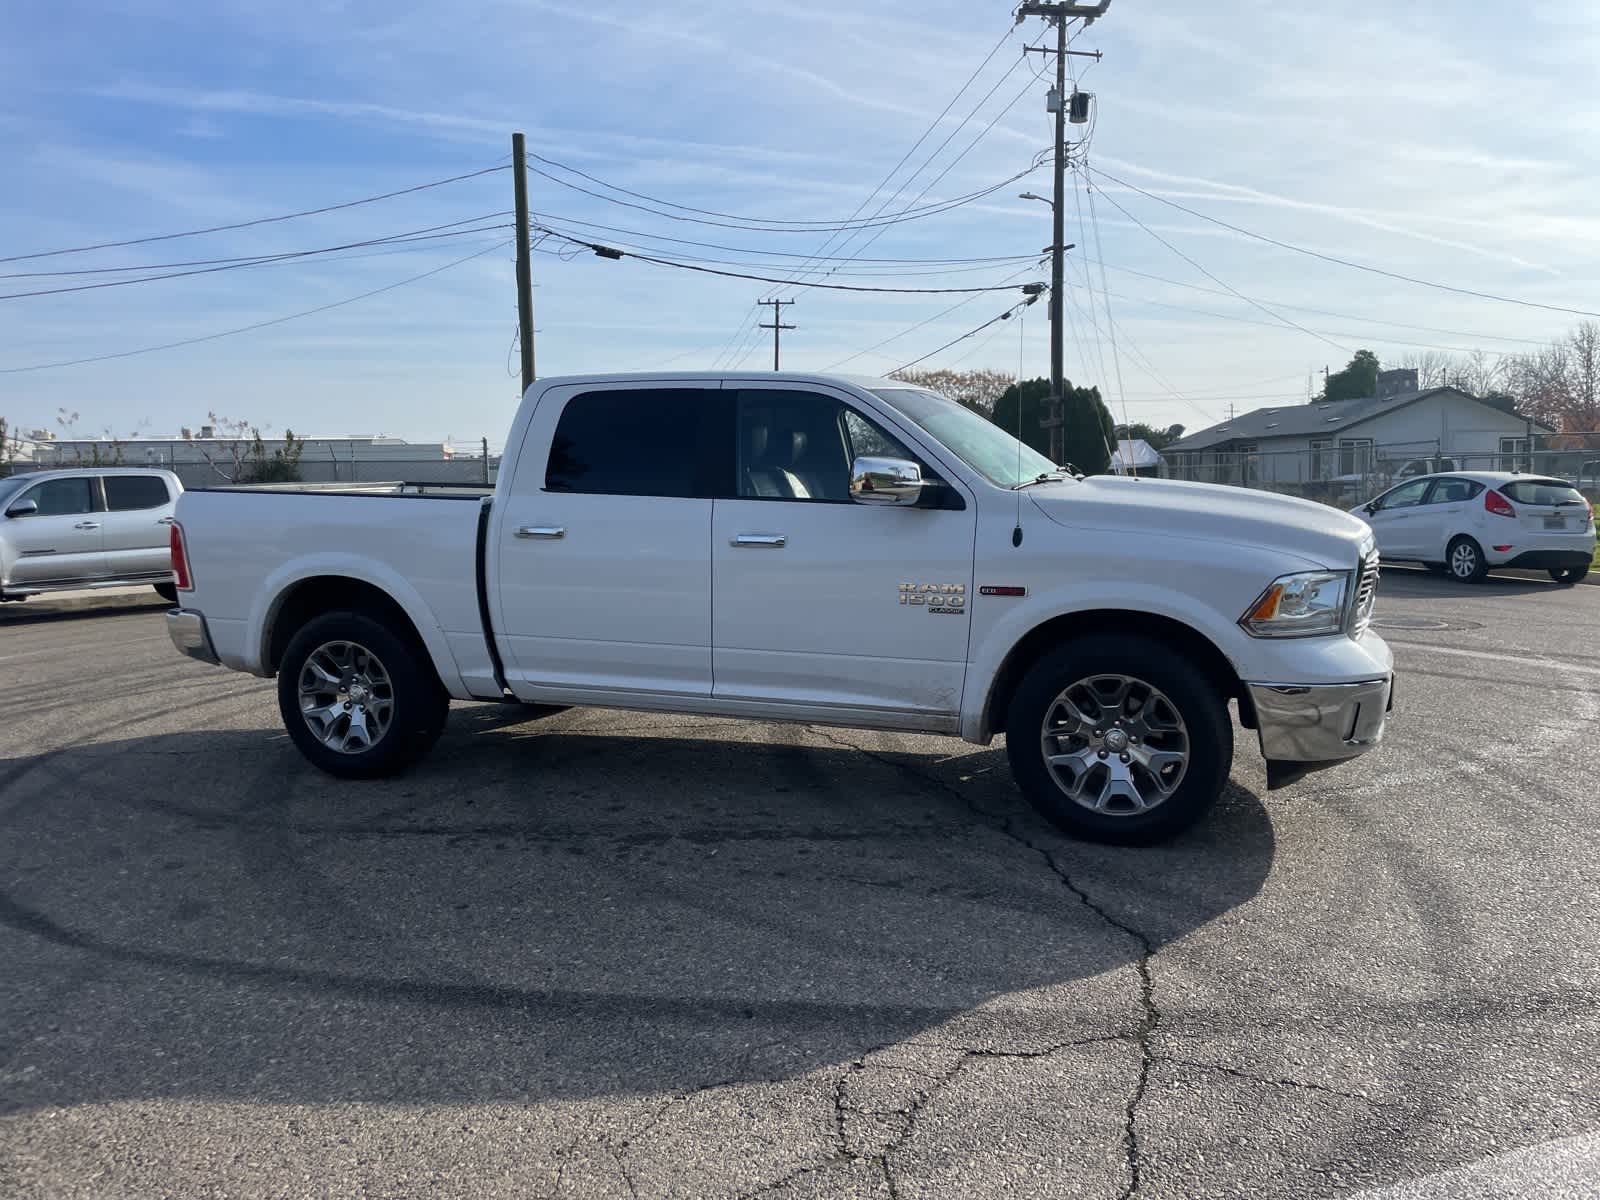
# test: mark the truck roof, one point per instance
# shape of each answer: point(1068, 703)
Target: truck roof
point(721, 377)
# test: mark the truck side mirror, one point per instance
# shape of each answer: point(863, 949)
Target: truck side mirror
point(885, 481)
point(23, 508)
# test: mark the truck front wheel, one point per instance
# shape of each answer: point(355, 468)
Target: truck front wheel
point(357, 698)
point(1119, 739)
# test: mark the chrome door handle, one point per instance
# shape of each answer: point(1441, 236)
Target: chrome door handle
point(87, 525)
point(542, 531)
point(163, 520)
point(774, 541)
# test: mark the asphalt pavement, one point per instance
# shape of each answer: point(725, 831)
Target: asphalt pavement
point(613, 954)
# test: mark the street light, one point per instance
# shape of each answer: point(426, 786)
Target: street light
point(1032, 196)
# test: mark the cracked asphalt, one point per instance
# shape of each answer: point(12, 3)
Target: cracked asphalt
point(606, 954)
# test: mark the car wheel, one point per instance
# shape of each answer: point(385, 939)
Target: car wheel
point(357, 698)
point(168, 592)
point(1568, 574)
point(1119, 739)
point(1465, 560)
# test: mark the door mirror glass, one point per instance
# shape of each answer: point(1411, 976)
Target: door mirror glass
point(22, 508)
point(885, 481)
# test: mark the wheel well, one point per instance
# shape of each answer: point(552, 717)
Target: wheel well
point(320, 594)
point(1181, 638)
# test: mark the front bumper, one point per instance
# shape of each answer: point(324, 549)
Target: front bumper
point(1305, 727)
point(188, 632)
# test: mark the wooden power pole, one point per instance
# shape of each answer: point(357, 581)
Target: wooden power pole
point(519, 171)
point(1059, 14)
point(777, 325)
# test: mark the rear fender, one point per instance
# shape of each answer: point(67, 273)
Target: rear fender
point(269, 600)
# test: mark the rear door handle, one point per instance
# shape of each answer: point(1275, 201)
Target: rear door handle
point(163, 520)
point(542, 531)
point(773, 541)
point(87, 525)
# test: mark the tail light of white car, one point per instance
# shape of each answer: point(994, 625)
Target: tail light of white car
point(180, 560)
point(1497, 505)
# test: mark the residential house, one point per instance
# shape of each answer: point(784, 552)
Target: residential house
point(1402, 429)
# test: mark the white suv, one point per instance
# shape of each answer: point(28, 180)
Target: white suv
point(1467, 522)
point(86, 527)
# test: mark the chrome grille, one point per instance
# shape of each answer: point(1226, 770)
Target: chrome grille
point(1366, 597)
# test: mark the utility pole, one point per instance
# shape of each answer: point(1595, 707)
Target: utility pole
point(777, 325)
point(1060, 14)
point(519, 172)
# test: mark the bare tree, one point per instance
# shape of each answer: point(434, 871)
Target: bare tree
point(242, 455)
point(10, 443)
point(1583, 379)
point(977, 390)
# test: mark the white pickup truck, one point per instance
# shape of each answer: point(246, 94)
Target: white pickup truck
point(841, 551)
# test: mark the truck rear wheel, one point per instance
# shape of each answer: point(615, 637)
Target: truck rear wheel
point(1119, 739)
point(358, 699)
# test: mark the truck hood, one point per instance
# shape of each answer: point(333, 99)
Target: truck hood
point(1323, 536)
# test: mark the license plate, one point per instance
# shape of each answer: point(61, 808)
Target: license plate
point(1555, 522)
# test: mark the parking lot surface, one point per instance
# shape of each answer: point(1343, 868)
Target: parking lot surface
point(614, 954)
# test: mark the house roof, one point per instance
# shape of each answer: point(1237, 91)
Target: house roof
point(1308, 420)
point(1135, 453)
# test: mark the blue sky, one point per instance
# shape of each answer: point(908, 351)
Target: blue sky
point(1455, 148)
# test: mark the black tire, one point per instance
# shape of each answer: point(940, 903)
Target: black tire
point(419, 704)
point(1202, 708)
point(1464, 560)
point(168, 592)
point(1569, 575)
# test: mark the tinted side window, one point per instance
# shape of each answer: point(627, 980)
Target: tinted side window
point(792, 446)
point(61, 497)
point(1451, 491)
point(1406, 495)
point(633, 442)
point(127, 492)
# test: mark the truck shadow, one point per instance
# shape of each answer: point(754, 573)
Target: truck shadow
point(597, 903)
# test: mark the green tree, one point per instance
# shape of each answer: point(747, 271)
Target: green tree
point(1088, 433)
point(1359, 378)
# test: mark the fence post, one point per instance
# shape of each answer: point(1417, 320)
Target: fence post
point(486, 461)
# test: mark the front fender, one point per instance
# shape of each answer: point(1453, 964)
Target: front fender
point(269, 599)
point(988, 655)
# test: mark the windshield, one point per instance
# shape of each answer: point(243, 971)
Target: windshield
point(10, 487)
point(975, 440)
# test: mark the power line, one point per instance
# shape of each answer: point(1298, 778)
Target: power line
point(1021, 304)
point(778, 226)
point(1344, 262)
point(1324, 312)
point(309, 212)
point(613, 252)
point(419, 235)
point(768, 253)
point(209, 337)
point(1277, 316)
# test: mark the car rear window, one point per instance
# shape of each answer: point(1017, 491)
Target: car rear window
point(1541, 491)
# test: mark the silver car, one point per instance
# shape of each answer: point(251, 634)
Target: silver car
point(86, 527)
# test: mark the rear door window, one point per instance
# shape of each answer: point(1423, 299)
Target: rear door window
point(1541, 491)
point(127, 493)
point(635, 442)
point(1453, 491)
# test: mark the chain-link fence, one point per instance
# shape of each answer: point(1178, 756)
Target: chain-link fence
point(220, 468)
point(1353, 470)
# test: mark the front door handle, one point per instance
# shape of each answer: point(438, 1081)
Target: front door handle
point(773, 541)
point(87, 525)
point(542, 531)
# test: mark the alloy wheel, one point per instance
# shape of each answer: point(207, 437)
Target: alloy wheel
point(1115, 744)
point(346, 697)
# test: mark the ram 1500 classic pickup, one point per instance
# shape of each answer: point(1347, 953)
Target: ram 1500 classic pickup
point(782, 547)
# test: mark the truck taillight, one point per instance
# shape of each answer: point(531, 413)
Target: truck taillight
point(180, 560)
point(1497, 504)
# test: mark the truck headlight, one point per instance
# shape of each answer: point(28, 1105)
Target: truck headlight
point(1301, 605)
